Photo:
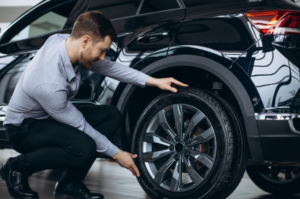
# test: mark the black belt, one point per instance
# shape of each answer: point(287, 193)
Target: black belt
point(9, 126)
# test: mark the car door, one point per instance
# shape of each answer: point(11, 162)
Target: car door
point(143, 27)
point(122, 15)
point(160, 23)
point(21, 40)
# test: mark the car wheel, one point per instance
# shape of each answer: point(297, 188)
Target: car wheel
point(190, 145)
point(278, 180)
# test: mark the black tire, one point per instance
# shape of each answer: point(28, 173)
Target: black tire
point(230, 157)
point(277, 188)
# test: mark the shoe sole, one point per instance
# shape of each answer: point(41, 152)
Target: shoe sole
point(63, 196)
point(4, 177)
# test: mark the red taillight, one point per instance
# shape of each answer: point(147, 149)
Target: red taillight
point(275, 22)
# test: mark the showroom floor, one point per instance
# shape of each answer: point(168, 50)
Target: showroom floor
point(114, 182)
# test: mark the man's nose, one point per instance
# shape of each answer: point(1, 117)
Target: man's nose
point(102, 57)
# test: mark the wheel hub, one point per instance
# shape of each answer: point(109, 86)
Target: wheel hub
point(179, 148)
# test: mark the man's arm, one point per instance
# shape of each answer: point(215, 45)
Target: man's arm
point(53, 98)
point(132, 76)
point(120, 72)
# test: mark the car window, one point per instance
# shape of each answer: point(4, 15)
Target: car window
point(52, 21)
point(9, 80)
point(158, 5)
point(115, 9)
point(191, 3)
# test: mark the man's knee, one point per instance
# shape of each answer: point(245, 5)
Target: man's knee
point(82, 151)
point(116, 114)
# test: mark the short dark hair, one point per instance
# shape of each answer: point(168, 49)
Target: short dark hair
point(95, 24)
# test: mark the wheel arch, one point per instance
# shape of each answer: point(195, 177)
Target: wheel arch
point(225, 75)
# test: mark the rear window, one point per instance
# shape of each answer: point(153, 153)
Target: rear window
point(158, 5)
point(191, 3)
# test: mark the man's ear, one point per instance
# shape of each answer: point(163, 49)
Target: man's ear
point(86, 40)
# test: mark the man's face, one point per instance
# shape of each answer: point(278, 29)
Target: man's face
point(93, 52)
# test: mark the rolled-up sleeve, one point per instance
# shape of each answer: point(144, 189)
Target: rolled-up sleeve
point(53, 98)
point(120, 72)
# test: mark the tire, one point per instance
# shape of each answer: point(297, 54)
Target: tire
point(272, 184)
point(212, 147)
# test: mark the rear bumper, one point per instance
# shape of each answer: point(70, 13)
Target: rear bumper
point(278, 141)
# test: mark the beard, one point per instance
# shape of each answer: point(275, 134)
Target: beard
point(85, 61)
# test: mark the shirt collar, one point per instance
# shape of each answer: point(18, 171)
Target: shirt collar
point(67, 62)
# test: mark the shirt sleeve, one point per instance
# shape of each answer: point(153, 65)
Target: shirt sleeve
point(55, 102)
point(120, 72)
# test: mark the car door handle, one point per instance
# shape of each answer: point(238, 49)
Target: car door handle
point(31, 57)
point(152, 37)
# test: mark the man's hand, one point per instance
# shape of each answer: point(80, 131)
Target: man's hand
point(165, 83)
point(125, 159)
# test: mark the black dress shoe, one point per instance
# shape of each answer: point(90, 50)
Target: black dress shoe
point(17, 184)
point(74, 190)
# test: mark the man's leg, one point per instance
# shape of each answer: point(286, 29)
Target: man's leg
point(46, 144)
point(49, 144)
point(104, 118)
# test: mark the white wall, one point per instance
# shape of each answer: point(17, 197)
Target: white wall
point(18, 3)
point(11, 9)
point(3, 26)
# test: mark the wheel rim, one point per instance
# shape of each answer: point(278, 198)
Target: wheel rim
point(179, 160)
point(280, 174)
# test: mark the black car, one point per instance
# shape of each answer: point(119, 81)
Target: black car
point(241, 111)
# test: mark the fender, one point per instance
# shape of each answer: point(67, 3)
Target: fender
point(222, 73)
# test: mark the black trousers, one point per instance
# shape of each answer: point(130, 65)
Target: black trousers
point(48, 144)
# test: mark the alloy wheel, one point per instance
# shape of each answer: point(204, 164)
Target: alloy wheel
point(179, 147)
point(280, 175)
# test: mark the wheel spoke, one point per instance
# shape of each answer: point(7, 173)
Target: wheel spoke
point(194, 121)
point(177, 176)
point(196, 178)
point(154, 138)
point(153, 156)
point(163, 169)
point(178, 116)
point(163, 122)
point(203, 158)
point(205, 136)
point(275, 172)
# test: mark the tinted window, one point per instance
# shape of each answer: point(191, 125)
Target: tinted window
point(116, 8)
point(158, 5)
point(9, 81)
point(52, 21)
point(191, 3)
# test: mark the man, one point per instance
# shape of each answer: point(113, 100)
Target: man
point(48, 130)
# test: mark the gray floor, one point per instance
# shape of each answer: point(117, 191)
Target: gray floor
point(114, 182)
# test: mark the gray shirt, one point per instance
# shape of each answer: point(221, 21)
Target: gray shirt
point(50, 81)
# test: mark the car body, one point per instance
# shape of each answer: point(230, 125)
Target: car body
point(210, 44)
